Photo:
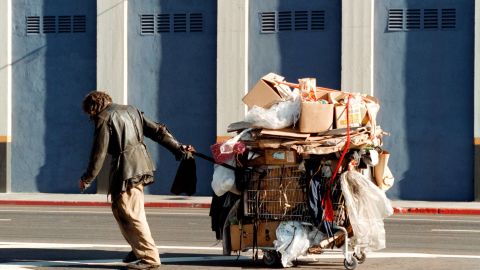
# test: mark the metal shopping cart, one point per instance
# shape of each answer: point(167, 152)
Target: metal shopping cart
point(280, 194)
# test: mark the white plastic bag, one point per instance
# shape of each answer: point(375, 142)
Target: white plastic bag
point(367, 206)
point(224, 179)
point(292, 241)
point(280, 115)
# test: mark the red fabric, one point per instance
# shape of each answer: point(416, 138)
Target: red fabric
point(327, 200)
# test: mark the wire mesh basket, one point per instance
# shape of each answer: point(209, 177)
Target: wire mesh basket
point(277, 194)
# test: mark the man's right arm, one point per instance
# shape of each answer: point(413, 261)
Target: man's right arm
point(97, 154)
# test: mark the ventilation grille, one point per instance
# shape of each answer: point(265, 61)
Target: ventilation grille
point(284, 21)
point(318, 20)
point(171, 23)
point(449, 18)
point(56, 24)
point(422, 19)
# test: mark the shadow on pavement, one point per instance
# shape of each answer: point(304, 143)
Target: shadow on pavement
point(41, 254)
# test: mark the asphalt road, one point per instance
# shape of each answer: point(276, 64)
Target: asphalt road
point(88, 238)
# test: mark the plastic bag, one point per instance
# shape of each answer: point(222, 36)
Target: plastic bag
point(367, 207)
point(280, 115)
point(223, 152)
point(292, 241)
point(224, 179)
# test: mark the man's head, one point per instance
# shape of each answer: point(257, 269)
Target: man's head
point(95, 102)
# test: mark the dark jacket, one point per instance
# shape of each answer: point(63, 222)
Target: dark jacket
point(119, 131)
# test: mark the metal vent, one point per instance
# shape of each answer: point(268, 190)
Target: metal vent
point(430, 19)
point(196, 22)
point(163, 23)
point(268, 22)
point(413, 19)
point(33, 25)
point(64, 24)
point(449, 18)
point(285, 21)
point(79, 23)
point(395, 20)
point(301, 20)
point(147, 24)
point(49, 24)
point(318, 20)
point(180, 22)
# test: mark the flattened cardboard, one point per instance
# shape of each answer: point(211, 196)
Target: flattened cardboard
point(242, 239)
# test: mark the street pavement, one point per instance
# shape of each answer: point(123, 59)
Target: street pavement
point(73, 237)
point(168, 201)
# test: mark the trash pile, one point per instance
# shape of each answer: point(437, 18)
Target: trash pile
point(307, 161)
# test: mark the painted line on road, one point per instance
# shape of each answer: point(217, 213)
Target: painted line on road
point(314, 258)
point(446, 230)
point(5, 219)
point(437, 220)
point(149, 212)
point(4, 245)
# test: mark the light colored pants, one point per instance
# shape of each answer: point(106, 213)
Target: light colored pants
point(129, 211)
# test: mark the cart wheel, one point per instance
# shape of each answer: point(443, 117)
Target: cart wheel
point(350, 265)
point(360, 257)
point(271, 258)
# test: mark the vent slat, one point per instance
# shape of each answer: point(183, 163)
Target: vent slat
point(79, 23)
point(285, 21)
point(180, 22)
point(64, 24)
point(49, 24)
point(301, 20)
point(449, 18)
point(147, 24)
point(196, 22)
point(268, 22)
point(163, 23)
point(318, 20)
point(395, 20)
point(33, 25)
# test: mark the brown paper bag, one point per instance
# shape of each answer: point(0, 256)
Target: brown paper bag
point(383, 176)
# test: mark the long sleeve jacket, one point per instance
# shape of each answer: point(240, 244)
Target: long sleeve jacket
point(120, 131)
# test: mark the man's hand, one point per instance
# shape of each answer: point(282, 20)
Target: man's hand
point(188, 148)
point(82, 185)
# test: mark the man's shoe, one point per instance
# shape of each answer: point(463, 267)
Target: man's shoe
point(130, 257)
point(142, 265)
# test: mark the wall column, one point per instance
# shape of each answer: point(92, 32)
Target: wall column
point(111, 60)
point(357, 46)
point(5, 94)
point(232, 62)
point(476, 116)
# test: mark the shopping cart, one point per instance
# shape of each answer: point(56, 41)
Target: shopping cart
point(280, 194)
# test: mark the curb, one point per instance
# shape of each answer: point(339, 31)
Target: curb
point(397, 210)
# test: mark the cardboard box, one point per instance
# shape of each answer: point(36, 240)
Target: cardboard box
point(355, 114)
point(315, 117)
point(280, 157)
point(242, 237)
point(265, 93)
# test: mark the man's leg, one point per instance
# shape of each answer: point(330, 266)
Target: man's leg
point(130, 214)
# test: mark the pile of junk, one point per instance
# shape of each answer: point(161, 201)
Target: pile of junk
point(305, 174)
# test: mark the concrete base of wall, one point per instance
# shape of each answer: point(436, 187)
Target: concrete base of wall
point(5, 167)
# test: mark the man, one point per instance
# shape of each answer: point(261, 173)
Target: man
point(119, 131)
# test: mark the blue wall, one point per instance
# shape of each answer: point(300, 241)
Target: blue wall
point(51, 74)
point(424, 80)
point(172, 78)
point(296, 53)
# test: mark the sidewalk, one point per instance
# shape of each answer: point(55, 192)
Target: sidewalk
point(172, 201)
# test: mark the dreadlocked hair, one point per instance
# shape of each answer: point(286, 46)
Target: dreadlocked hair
point(95, 102)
